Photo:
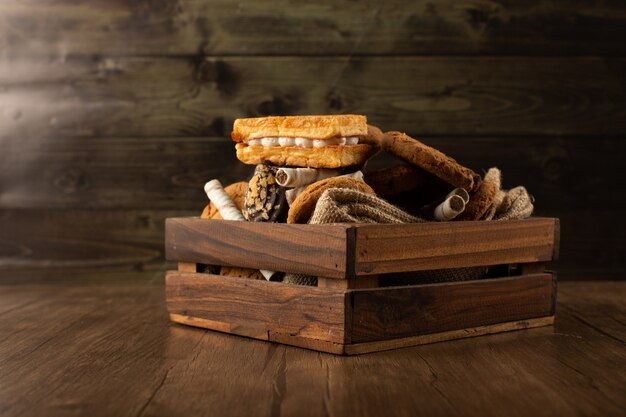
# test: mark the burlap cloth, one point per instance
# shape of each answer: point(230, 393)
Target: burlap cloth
point(340, 205)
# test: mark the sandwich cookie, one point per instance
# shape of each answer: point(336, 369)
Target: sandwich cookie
point(303, 206)
point(430, 160)
point(332, 141)
point(265, 200)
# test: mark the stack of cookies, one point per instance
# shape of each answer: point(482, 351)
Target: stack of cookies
point(299, 158)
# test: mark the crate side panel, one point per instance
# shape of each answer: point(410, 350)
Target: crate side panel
point(295, 310)
point(387, 313)
point(423, 246)
point(307, 249)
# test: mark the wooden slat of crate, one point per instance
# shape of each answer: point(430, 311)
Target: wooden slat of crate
point(368, 347)
point(359, 321)
point(412, 247)
point(345, 251)
point(256, 307)
point(308, 249)
point(399, 312)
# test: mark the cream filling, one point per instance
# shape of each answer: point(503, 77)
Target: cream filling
point(270, 142)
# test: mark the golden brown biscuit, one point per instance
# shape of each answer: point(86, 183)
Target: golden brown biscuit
point(325, 157)
point(374, 135)
point(314, 127)
point(397, 179)
point(330, 141)
point(235, 191)
point(233, 271)
point(430, 160)
point(301, 209)
point(480, 201)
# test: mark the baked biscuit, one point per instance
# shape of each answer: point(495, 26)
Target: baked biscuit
point(303, 206)
point(236, 192)
point(480, 201)
point(233, 271)
point(430, 160)
point(331, 141)
point(325, 157)
point(313, 127)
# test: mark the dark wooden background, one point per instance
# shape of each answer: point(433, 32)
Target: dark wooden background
point(113, 113)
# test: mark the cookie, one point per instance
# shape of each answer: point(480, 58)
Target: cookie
point(233, 271)
point(235, 191)
point(326, 141)
point(303, 206)
point(480, 201)
point(324, 157)
point(265, 200)
point(392, 181)
point(430, 160)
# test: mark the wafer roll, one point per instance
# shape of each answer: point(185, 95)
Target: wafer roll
point(449, 209)
point(297, 177)
point(227, 208)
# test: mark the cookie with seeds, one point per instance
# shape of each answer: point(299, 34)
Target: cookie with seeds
point(265, 200)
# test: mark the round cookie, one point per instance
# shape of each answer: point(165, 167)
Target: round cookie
point(265, 200)
point(235, 191)
point(430, 160)
point(303, 206)
point(480, 201)
point(233, 271)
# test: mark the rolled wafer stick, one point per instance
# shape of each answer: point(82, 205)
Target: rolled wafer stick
point(297, 177)
point(461, 192)
point(449, 209)
point(227, 208)
point(295, 192)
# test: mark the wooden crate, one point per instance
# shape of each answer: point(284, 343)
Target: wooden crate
point(351, 310)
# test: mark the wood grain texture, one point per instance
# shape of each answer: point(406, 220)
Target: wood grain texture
point(307, 249)
point(178, 96)
point(284, 27)
point(365, 320)
point(82, 246)
point(389, 313)
point(369, 347)
point(422, 246)
point(139, 173)
point(300, 311)
point(111, 350)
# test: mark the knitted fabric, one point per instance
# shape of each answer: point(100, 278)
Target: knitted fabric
point(341, 205)
point(513, 204)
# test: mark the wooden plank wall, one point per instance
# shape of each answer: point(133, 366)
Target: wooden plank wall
point(114, 113)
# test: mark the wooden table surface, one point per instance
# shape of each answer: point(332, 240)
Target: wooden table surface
point(102, 350)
